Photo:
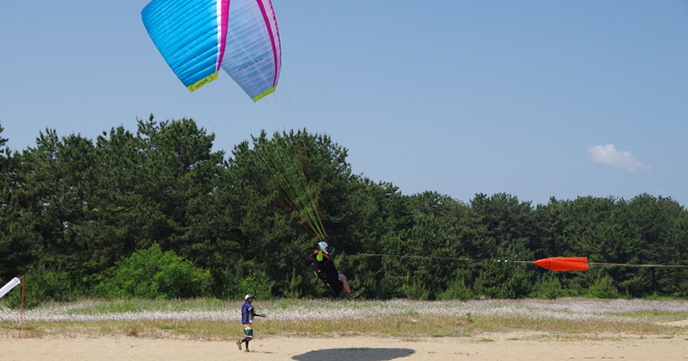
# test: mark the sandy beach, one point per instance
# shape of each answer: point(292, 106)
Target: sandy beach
point(491, 346)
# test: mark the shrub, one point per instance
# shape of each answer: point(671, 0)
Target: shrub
point(548, 287)
point(603, 288)
point(150, 273)
point(41, 285)
point(258, 284)
point(456, 291)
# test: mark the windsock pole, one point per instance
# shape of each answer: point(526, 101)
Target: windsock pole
point(21, 312)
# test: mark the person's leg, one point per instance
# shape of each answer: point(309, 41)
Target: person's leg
point(248, 331)
point(246, 339)
point(345, 284)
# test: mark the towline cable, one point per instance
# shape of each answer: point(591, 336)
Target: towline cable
point(442, 258)
point(592, 264)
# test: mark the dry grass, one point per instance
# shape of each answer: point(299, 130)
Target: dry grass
point(219, 320)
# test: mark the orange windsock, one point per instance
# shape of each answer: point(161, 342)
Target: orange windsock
point(563, 263)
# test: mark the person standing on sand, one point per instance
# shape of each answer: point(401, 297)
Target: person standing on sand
point(247, 315)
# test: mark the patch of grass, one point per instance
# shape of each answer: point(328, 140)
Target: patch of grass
point(143, 305)
point(219, 320)
point(442, 335)
point(659, 316)
point(469, 317)
point(564, 326)
point(486, 340)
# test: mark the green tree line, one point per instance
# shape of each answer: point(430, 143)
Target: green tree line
point(158, 213)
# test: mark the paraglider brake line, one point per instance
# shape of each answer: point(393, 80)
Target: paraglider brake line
point(301, 219)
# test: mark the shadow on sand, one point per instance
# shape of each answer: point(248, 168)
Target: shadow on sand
point(359, 354)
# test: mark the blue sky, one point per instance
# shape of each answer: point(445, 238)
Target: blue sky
point(537, 99)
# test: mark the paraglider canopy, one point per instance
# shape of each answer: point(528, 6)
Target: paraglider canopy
point(198, 37)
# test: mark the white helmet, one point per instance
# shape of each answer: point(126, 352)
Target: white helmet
point(323, 247)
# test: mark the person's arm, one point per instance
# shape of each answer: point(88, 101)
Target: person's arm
point(254, 314)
